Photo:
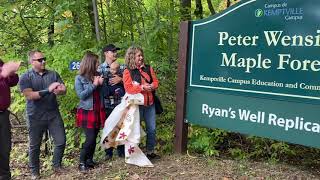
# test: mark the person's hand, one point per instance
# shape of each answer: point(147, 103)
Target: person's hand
point(115, 80)
point(60, 89)
point(96, 80)
point(9, 68)
point(147, 87)
point(101, 80)
point(53, 86)
point(151, 87)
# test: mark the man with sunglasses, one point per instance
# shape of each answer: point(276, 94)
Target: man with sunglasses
point(40, 87)
point(110, 102)
point(8, 78)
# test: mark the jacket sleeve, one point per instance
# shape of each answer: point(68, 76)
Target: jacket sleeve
point(58, 78)
point(155, 81)
point(13, 80)
point(128, 85)
point(82, 92)
point(24, 82)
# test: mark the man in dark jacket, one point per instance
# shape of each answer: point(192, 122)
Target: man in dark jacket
point(8, 78)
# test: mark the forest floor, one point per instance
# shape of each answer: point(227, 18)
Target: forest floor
point(173, 166)
point(170, 166)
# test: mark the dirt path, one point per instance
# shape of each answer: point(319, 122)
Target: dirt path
point(186, 167)
point(168, 167)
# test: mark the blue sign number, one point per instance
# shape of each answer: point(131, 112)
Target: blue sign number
point(74, 65)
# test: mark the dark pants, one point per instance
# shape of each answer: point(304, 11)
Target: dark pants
point(36, 130)
point(5, 145)
point(120, 148)
point(89, 145)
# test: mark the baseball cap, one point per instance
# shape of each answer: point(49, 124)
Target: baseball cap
point(110, 47)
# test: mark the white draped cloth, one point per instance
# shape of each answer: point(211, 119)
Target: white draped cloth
point(123, 127)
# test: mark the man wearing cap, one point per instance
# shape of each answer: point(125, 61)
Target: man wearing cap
point(110, 54)
point(8, 78)
point(41, 87)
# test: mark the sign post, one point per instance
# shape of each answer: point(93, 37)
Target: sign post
point(181, 134)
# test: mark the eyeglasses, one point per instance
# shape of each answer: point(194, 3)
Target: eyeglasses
point(40, 60)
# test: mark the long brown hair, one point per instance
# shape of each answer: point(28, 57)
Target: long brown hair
point(130, 55)
point(88, 65)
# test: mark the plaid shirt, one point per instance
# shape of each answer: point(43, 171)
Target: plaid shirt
point(92, 118)
point(110, 102)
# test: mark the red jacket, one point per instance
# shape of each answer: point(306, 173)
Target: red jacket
point(134, 88)
point(5, 84)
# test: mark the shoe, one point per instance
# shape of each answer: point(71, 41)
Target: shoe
point(83, 167)
point(58, 170)
point(153, 156)
point(120, 151)
point(35, 176)
point(108, 157)
point(90, 164)
point(121, 155)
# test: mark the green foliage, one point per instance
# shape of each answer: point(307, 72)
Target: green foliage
point(204, 140)
point(270, 149)
point(151, 24)
point(237, 153)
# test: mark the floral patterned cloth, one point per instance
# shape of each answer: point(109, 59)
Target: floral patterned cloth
point(123, 127)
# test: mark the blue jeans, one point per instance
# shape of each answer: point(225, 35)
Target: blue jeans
point(36, 129)
point(148, 113)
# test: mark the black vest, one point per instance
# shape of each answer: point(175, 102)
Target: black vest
point(136, 75)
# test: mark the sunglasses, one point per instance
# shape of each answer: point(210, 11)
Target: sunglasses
point(40, 60)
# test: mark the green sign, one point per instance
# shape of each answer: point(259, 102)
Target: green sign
point(255, 69)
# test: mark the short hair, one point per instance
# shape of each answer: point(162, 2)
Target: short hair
point(31, 54)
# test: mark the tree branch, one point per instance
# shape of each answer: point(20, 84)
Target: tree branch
point(26, 27)
point(210, 6)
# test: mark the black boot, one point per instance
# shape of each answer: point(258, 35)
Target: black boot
point(90, 164)
point(83, 167)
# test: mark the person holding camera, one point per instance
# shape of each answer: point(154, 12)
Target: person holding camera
point(110, 80)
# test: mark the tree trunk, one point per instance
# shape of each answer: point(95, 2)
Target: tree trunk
point(170, 42)
point(199, 9)
point(91, 18)
point(228, 3)
point(131, 21)
point(185, 10)
point(210, 6)
point(51, 28)
point(96, 20)
point(51, 32)
point(104, 21)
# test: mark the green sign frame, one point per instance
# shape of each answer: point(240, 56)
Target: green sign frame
point(254, 69)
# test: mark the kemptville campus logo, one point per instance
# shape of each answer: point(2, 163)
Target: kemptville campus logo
point(258, 12)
